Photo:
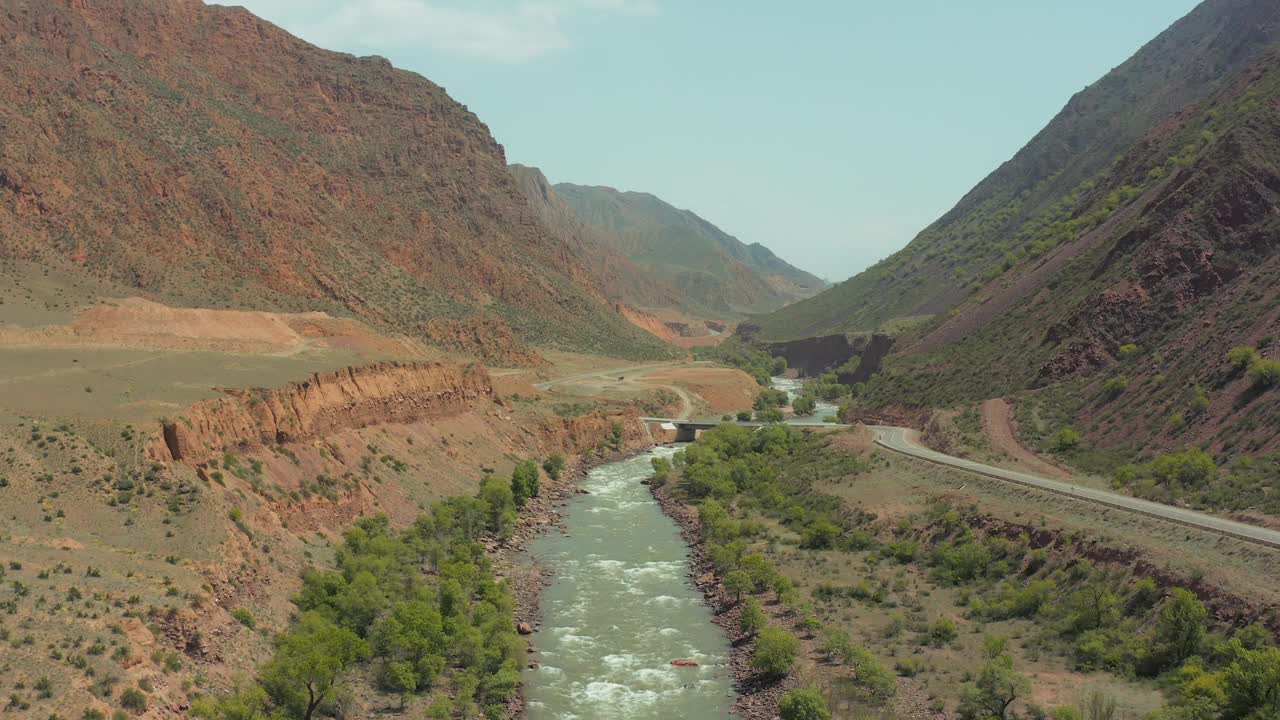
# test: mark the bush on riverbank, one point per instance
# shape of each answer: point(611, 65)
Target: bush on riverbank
point(452, 630)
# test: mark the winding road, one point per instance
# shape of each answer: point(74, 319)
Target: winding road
point(906, 441)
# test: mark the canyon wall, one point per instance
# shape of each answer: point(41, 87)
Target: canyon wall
point(353, 397)
point(815, 355)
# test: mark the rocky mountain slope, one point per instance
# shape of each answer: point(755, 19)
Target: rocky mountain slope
point(618, 277)
point(1166, 260)
point(200, 156)
point(710, 269)
point(1034, 202)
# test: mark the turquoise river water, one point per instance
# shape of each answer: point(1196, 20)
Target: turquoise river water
point(620, 609)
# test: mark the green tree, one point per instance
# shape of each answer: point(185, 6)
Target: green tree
point(1180, 627)
point(803, 704)
point(998, 686)
point(739, 583)
point(524, 482)
point(744, 416)
point(752, 620)
point(804, 405)
point(553, 466)
point(769, 415)
point(499, 501)
point(1252, 685)
point(615, 436)
point(402, 677)
point(774, 653)
point(309, 662)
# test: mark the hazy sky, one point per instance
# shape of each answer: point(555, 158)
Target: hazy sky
point(831, 131)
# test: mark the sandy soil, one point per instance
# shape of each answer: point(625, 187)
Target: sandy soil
point(141, 324)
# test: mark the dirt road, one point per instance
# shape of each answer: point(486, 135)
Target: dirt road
point(997, 420)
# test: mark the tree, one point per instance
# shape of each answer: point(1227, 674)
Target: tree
point(803, 704)
point(744, 416)
point(553, 466)
point(752, 620)
point(804, 405)
point(774, 653)
point(769, 415)
point(1180, 628)
point(1252, 685)
point(402, 677)
point(498, 500)
point(615, 436)
point(998, 686)
point(738, 582)
point(308, 663)
point(524, 482)
point(1095, 606)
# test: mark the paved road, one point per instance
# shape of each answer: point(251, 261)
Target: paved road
point(905, 441)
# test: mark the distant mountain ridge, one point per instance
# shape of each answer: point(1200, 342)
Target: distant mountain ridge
point(710, 267)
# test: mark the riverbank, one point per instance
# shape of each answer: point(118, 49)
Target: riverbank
point(756, 700)
point(511, 560)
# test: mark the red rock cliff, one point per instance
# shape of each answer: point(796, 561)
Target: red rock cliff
point(353, 397)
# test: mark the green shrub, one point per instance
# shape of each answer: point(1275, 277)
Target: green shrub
point(803, 704)
point(752, 620)
point(1265, 373)
point(1116, 385)
point(775, 651)
point(1242, 357)
point(1066, 439)
point(244, 616)
point(744, 416)
point(133, 699)
point(553, 466)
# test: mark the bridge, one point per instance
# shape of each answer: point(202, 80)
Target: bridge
point(687, 430)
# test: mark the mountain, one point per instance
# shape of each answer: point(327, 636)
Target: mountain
point(621, 279)
point(709, 267)
point(1113, 309)
point(1023, 210)
point(201, 156)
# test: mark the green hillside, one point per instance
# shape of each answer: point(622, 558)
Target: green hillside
point(711, 267)
point(1034, 202)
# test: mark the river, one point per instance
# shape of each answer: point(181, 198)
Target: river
point(821, 411)
point(620, 609)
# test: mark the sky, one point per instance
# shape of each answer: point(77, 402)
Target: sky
point(831, 131)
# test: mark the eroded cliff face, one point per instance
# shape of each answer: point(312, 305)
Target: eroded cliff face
point(324, 403)
point(815, 355)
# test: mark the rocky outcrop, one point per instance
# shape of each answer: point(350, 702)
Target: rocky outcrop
point(324, 403)
point(576, 435)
